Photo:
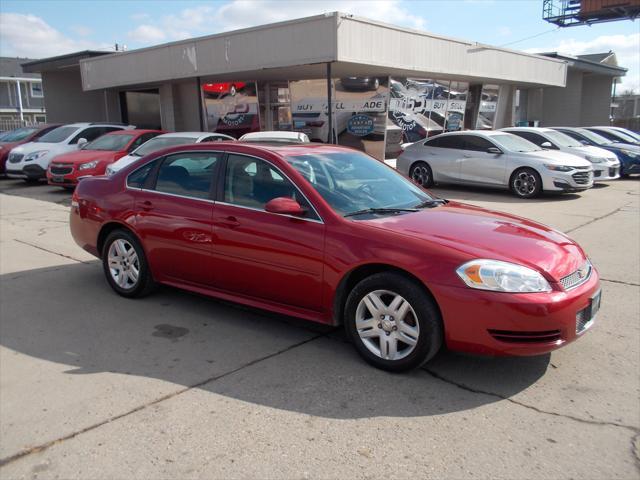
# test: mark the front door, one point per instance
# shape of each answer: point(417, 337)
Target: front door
point(479, 166)
point(175, 215)
point(261, 254)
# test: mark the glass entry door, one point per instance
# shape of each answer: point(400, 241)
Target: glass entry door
point(275, 106)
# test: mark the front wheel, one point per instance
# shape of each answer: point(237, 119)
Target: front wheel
point(392, 322)
point(125, 265)
point(421, 173)
point(526, 183)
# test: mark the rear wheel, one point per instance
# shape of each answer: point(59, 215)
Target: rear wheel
point(526, 183)
point(125, 265)
point(421, 173)
point(392, 322)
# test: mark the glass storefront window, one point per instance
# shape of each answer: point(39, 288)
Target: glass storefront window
point(488, 106)
point(231, 107)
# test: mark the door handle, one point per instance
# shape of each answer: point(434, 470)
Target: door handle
point(230, 221)
point(147, 205)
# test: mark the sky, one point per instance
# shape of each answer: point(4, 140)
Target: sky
point(37, 28)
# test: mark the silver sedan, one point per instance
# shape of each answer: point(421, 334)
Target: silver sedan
point(494, 159)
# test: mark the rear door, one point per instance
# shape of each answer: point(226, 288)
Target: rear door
point(174, 214)
point(444, 154)
point(480, 167)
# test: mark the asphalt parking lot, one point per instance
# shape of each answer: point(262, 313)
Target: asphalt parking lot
point(180, 386)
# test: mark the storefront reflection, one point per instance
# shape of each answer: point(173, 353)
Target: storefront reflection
point(231, 107)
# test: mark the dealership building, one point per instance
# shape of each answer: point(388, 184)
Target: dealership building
point(336, 77)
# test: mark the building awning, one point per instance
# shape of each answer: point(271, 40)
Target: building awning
point(299, 49)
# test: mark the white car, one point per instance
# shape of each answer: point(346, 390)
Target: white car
point(494, 159)
point(275, 136)
point(31, 160)
point(605, 163)
point(164, 141)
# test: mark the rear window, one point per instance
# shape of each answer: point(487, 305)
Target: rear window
point(159, 143)
point(58, 135)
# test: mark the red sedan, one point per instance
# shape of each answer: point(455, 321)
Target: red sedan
point(11, 140)
point(221, 88)
point(94, 157)
point(331, 235)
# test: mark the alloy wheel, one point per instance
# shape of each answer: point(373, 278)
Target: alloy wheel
point(421, 175)
point(387, 325)
point(525, 184)
point(124, 264)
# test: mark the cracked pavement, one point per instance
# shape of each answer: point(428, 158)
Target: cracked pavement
point(181, 386)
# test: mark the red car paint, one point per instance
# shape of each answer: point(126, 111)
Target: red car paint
point(224, 87)
point(64, 172)
point(299, 267)
point(6, 147)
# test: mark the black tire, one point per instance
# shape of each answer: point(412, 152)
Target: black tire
point(31, 181)
point(525, 183)
point(420, 172)
point(424, 314)
point(145, 283)
point(69, 189)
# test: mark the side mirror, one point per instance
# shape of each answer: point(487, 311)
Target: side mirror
point(546, 145)
point(81, 142)
point(494, 150)
point(285, 206)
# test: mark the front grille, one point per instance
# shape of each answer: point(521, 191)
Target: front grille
point(509, 336)
point(582, 178)
point(576, 278)
point(60, 169)
point(15, 157)
point(583, 319)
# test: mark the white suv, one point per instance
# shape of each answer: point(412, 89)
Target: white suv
point(31, 160)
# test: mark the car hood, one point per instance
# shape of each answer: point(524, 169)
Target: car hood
point(36, 146)
point(480, 233)
point(83, 156)
point(625, 146)
point(595, 152)
point(557, 157)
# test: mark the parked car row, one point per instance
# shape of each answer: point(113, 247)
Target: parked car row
point(526, 160)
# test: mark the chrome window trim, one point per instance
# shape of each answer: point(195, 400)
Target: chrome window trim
point(207, 200)
point(271, 213)
point(321, 220)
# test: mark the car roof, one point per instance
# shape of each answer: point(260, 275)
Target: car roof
point(528, 129)
point(187, 134)
point(96, 124)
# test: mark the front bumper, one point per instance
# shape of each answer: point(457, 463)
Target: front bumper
point(28, 172)
point(67, 175)
point(605, 172)
point(573, 181)
point(494, 323)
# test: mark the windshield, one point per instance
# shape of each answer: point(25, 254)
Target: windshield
point(353, 181)
point(515, 143)
point(561, 139)
point(159, 143)
point(624, 137)
point(57, 135)
point(111, 143)
point(594, 137)
point(17, 135)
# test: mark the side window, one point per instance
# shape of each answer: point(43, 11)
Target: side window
point(452, 141)
point(188, 174)
point(573, 135)
point(532, 137)
point(476, 144)
point(90, 134)
point(138, 178)
point(137, 142)
point(213, 139)
point(250, 182)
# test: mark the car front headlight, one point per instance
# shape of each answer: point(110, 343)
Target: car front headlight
point(558, 168)
point(110, 171)
point(631, 154)
point(88, 165)
point(499, 276)
point(35, 155)
point(596, 159)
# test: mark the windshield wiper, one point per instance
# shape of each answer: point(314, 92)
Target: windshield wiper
point(434, 202)
point(380, 210)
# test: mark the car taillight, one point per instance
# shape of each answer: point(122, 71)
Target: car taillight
point(75, 200)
